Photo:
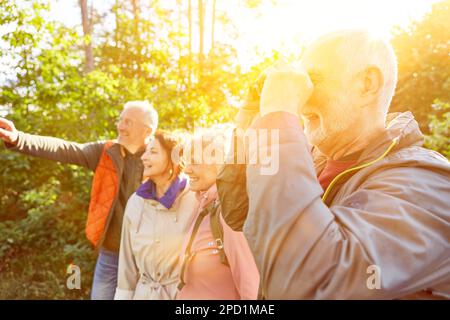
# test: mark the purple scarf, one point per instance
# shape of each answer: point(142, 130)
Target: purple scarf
point(147, 190)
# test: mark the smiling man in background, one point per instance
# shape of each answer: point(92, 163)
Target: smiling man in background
point(118, 173)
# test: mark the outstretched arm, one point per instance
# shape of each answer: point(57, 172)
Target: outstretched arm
point(86, 154)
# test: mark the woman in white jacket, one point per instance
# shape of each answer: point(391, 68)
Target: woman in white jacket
point(156, 220)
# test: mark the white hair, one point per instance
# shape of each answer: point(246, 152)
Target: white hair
point(150, 114)
point(361, 49)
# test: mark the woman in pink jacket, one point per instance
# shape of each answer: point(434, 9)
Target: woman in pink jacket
point(217, 261)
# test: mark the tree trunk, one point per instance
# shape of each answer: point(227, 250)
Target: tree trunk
point(190, 41)
point(201, 30)
point(179, 43)
point(86, 20)
point(117, 18)
point(135, 4)
point(213, 25)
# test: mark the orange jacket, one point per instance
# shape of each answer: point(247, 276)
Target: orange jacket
point(104, 190)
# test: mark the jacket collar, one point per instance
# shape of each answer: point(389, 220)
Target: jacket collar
point(118, 151)
point(400, 126)
point(206, 197)
point(148, 191)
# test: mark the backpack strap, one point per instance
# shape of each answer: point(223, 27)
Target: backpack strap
point(217, 232)
point(188, 254)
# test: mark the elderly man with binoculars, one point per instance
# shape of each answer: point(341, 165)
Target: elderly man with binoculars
point(358, 208)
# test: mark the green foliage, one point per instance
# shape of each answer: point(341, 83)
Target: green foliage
point(46, 91)
point(424, 72)
point(36, 250)
point(439, 139)
point(145, 56)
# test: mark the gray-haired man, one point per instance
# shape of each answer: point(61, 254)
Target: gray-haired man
point(118, 173)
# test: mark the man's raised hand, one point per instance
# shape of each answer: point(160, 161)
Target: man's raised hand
point(287, 88)
point(8, 132)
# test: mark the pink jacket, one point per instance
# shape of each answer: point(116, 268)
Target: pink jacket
point(205, 276)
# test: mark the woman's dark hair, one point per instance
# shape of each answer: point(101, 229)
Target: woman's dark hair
point(169, 142)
